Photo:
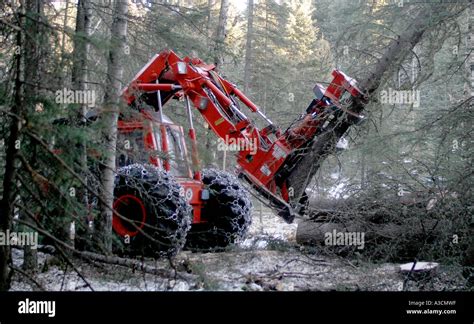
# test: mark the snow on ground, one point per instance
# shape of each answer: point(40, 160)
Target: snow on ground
point(230, 271)
point(267, 227)
point(269, 259)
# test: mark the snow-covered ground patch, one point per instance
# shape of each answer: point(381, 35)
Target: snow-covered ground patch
point(267, 227)
point(268, 259)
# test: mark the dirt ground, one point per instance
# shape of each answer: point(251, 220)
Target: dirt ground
point(268, 259)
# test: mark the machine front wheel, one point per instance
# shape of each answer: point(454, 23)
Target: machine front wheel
point(150, 216)
point(227, 213)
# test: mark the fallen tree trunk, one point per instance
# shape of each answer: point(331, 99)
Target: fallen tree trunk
point(314, 233)
point(325, 144)
point(134, 265)
point(107, 259)
point(419, 224)
point(389, 242)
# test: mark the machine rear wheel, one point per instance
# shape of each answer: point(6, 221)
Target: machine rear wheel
point(227, 212)
point(155, 217)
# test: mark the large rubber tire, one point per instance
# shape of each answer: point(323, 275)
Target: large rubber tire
point(227, 212)
point(150, 199)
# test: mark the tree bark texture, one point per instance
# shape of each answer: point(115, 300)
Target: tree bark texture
point(110, 118)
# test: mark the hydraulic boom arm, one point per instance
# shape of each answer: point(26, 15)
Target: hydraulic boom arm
point(266, 156)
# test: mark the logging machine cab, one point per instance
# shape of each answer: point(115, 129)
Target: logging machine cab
point(141, 141)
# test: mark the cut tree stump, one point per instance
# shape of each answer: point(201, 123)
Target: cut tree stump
point(420, 266)
point(419, 270)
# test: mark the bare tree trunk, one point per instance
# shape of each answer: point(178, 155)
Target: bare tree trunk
point(6, 204)
point(221, 33)
point(81, 49)
point(110, 118)
point(326, 143)
point(209, 133)
point(79, 81)
point(208, 24)
point(219, 44)
point(60, 67)
point(265, 65)
point(248, 47)
point(33, 54)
